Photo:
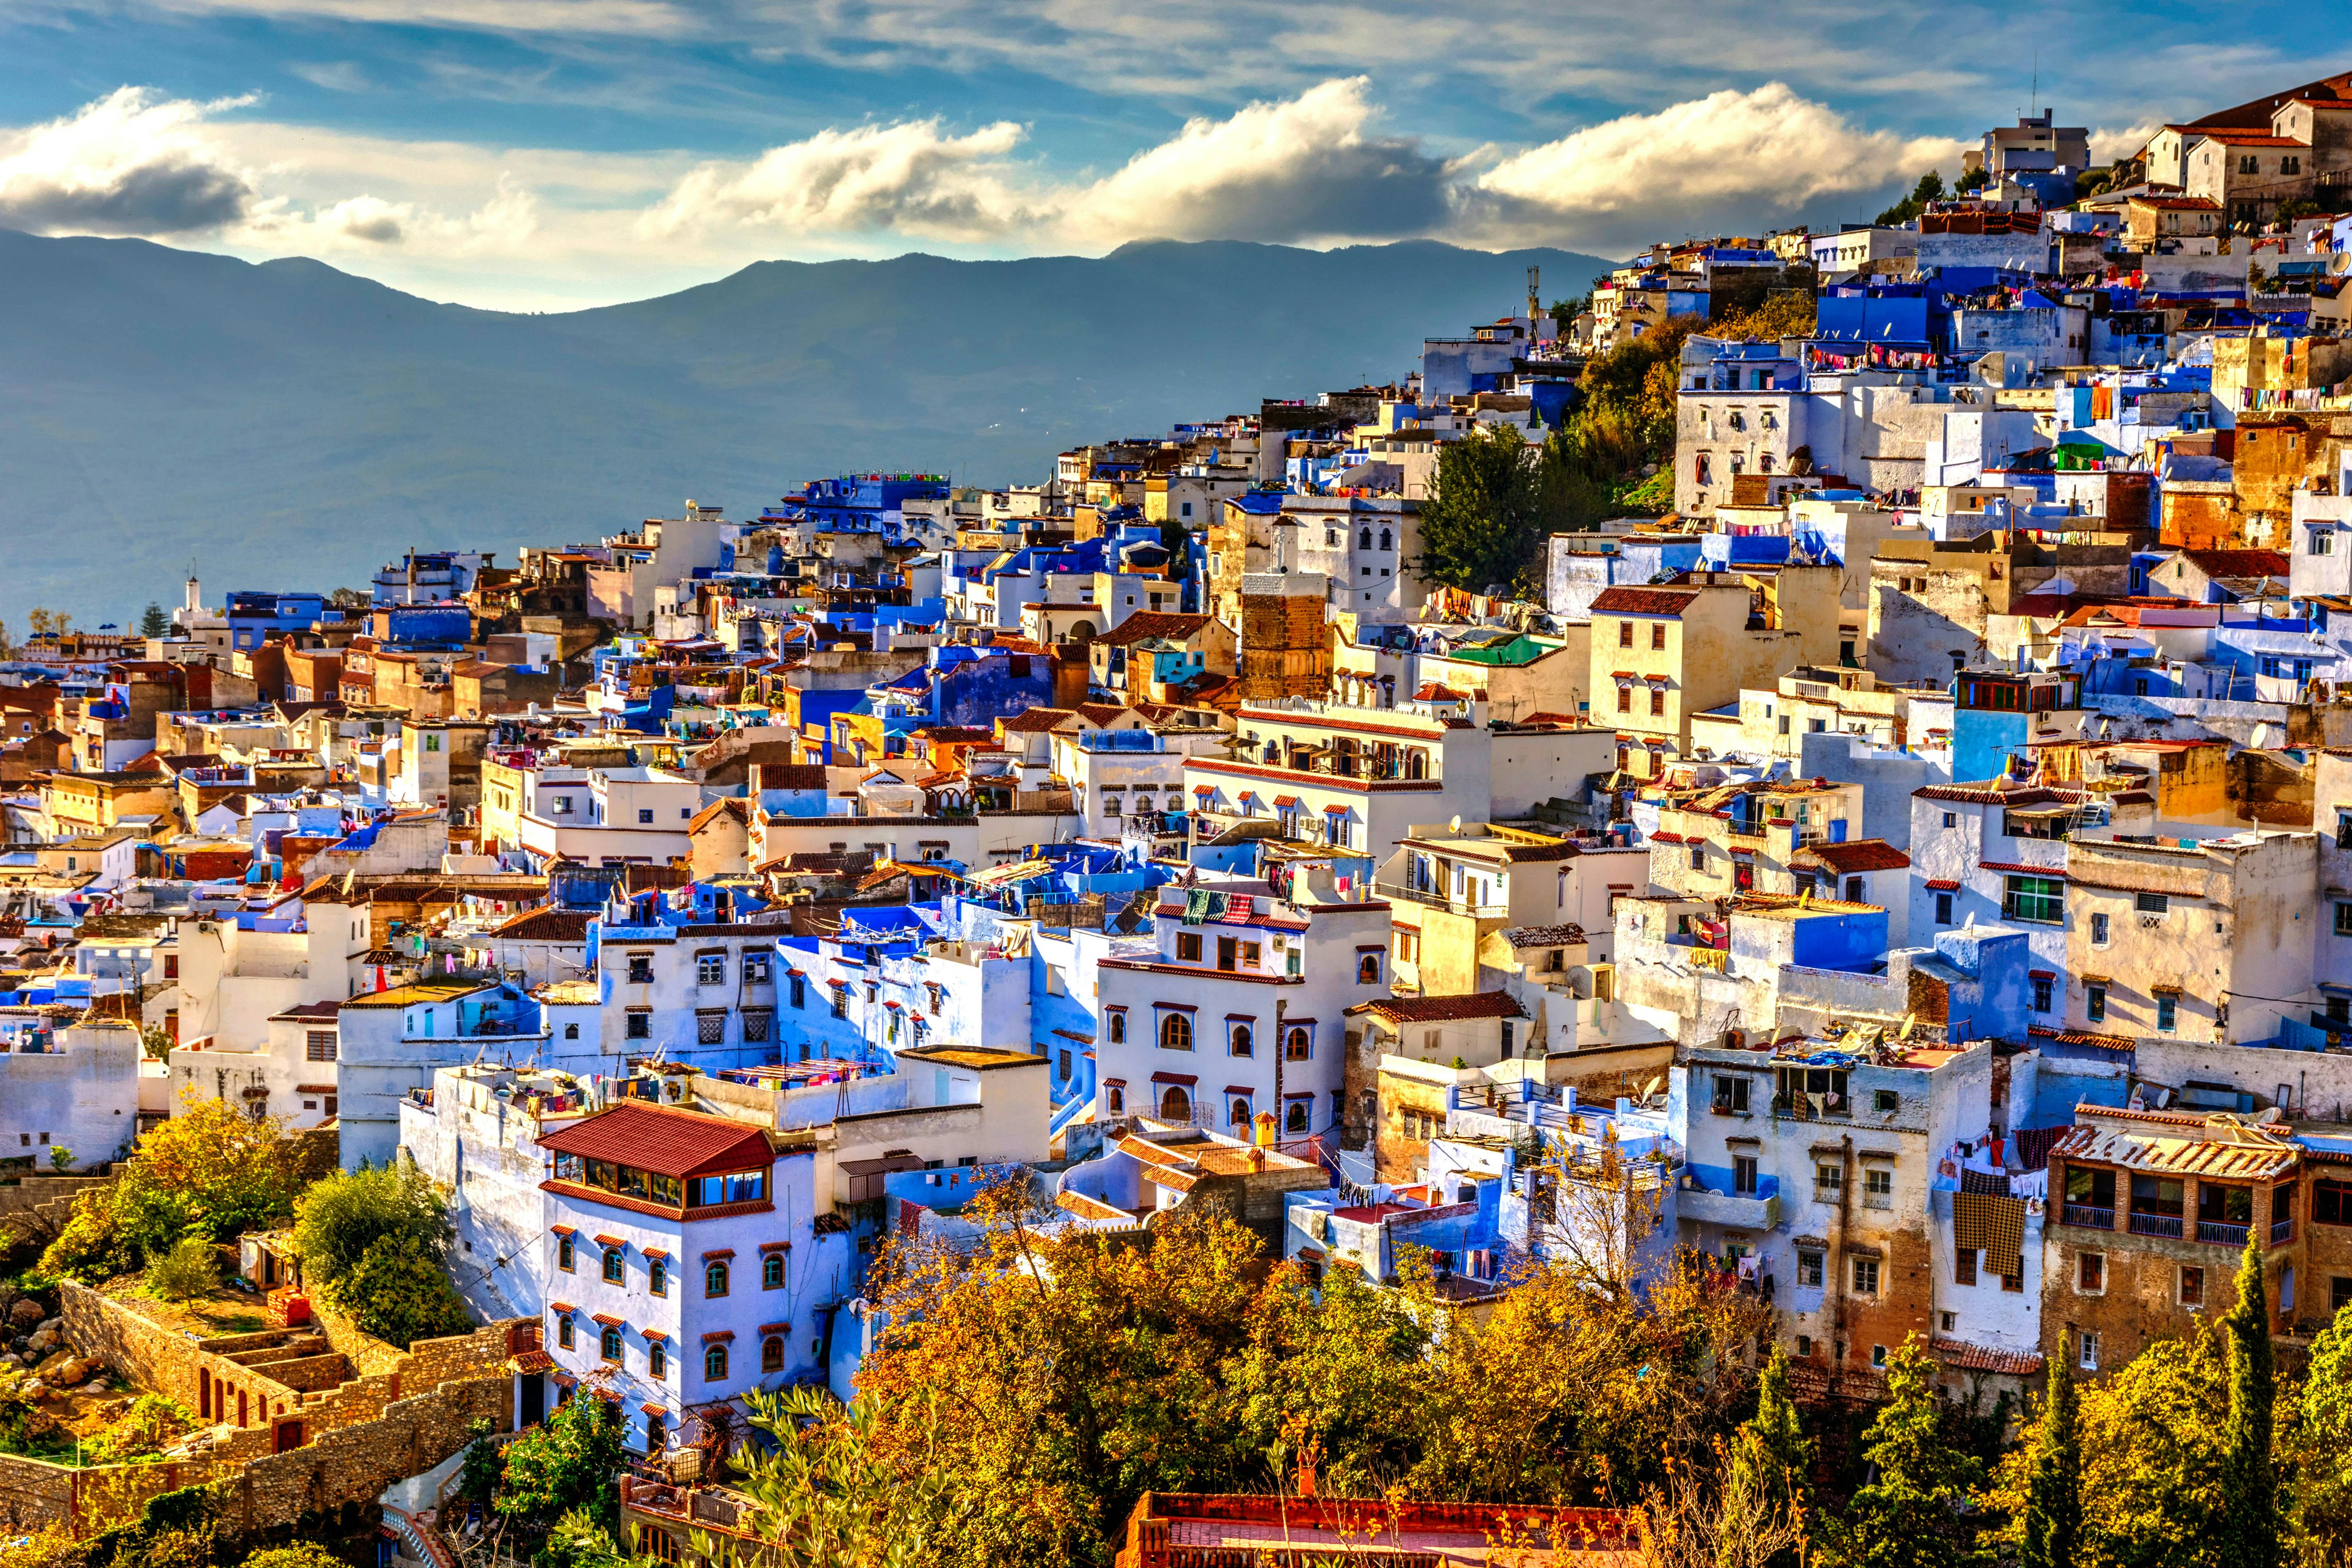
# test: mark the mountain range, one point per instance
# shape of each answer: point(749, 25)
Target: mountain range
point(285, 425)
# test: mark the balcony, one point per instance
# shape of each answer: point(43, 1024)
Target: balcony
point(2220, 1233)
point(2163, 1225)
point(2282, 1231)
point(2088, 1217)
point(1738, 1211)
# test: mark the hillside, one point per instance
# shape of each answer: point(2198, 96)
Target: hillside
point(288, 424)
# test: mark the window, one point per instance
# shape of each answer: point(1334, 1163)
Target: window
point(710, 969)
point(2091, 1273)
point(2192, 1285)
point(1878, 1357)
point(646, 815)
point(714, 1364)
point(657, 1363)
point(2089, 1359)
point(1250, 960)
point(1964, 1265)
point(563, 1333)
point(772, 1353)
point(1624, 700)
point(757, 969)
point(2094, 1003)
point(1731, 1091)
point(1368, 969)
point(1866, 1276)
point(2151, 903)
point(771, 1271)
point(1804, 1345)
point(1828, 1182)
point(1877, 1189)
point(2331, 1202)
point(1952, 819)
point(657, 1276)
point(1657, 701)
point(1625, 634)
point(2099, 930)
point(1943, 909)
point(1298, 1046)
point(714, 1277)
point(564, 1253)
point(1658, 636)
point(799, 992)
point(1698, 857)
point(840, 1000)
point(1118, 1029)
point(2168, 1013)
point(608, 1343)
point(638, 1024)
point(1293, 1118)
point(2344, 919)
point(1809, 1270)
point(571, 1031)
point(1743, 1174)
point(710, 1027)
point(1187, 947)
point(756, 1021)
point(2339, 1293)
point(616, 1269)
point(641, 969)
point(2044, 992)
point(1176, 1032)
point(2039, 899)
point(1885, 1102)
point(319, 1045)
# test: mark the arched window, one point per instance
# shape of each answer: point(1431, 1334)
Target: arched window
point(571, 1031)
point(1118, 1029)
point(1368, 969)
point(610, 1344)
point(615, 1269)
point(1175, 1104)
point(1295, 1118)
point(1298, 1046)
point(714, 1277)
point(657, 1359)
point(1244, 1045)
point(1116, 1098)
point(1240, 1113)
point(1416, 763)
point(1364, 540)
point(1384, 539)
point(714, 1364)
point(772, 1353)
point(1176, 1032)
point(771, 1271)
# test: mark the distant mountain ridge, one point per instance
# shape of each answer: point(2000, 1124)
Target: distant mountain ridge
point(286, 424)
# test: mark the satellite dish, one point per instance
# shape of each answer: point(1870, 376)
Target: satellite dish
point(1653, 1086)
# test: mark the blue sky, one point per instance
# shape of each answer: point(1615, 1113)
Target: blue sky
point(552, 153)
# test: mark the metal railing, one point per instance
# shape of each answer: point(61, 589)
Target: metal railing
point(2163, 1225)
point(2282, 1231)
point(2088, 1217)
point(2221, 1232)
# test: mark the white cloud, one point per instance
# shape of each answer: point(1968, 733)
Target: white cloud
point(909, 178)
point(366, 222)
point(1300, 169)
point(133, 162)
point(578, 16)
point(1727, 158)
point(2106, 146)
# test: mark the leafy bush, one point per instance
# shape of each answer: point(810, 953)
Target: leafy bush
point(400, 1294)
point(153, 1424)
point(190, 1270)
point(565, 1464)
point(342, 1217)
point(299, 1554)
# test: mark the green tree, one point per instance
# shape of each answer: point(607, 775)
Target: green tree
point(1485, 519)
point(1930, 188)
point(830, 1493)
point(400, 1293)
point(2250, 1532)
point(565, 1463)
point(579, 1540)
point(1767, 1461)
point(190, 1270)
point(2053, 1525)
point(1910, 1515)
point(295, 1554)
point(2322, 1448)
point(153, 622)
point(342, 1215)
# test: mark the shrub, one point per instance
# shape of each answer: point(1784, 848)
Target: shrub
point(153, 1424)
point(190, 1270)
point(400, 1294)
point(342, 1216)
point(299, 1554)
point(60, 1157)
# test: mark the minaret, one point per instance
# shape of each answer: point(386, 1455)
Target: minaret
point(1534, 310)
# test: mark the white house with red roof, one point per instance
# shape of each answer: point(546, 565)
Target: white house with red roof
point(1235, 1006)
point(683, 1263)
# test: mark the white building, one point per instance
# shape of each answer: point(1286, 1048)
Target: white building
point(290, 1072)
point(67, 1090)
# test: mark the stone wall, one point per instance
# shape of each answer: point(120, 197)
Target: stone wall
point(33, 1494)
point(298, 1443)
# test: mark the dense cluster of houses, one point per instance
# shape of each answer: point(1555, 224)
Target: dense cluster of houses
point(1917, 870)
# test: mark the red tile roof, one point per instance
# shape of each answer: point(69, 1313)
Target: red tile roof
point(1441, 1009)
point(1035, 720)
point(2239, 563)
point(663, 1140)
point(1152, 624)
point(566, 926)
point(1859, 855)
point(1984, 1358)
point(1645, 601)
